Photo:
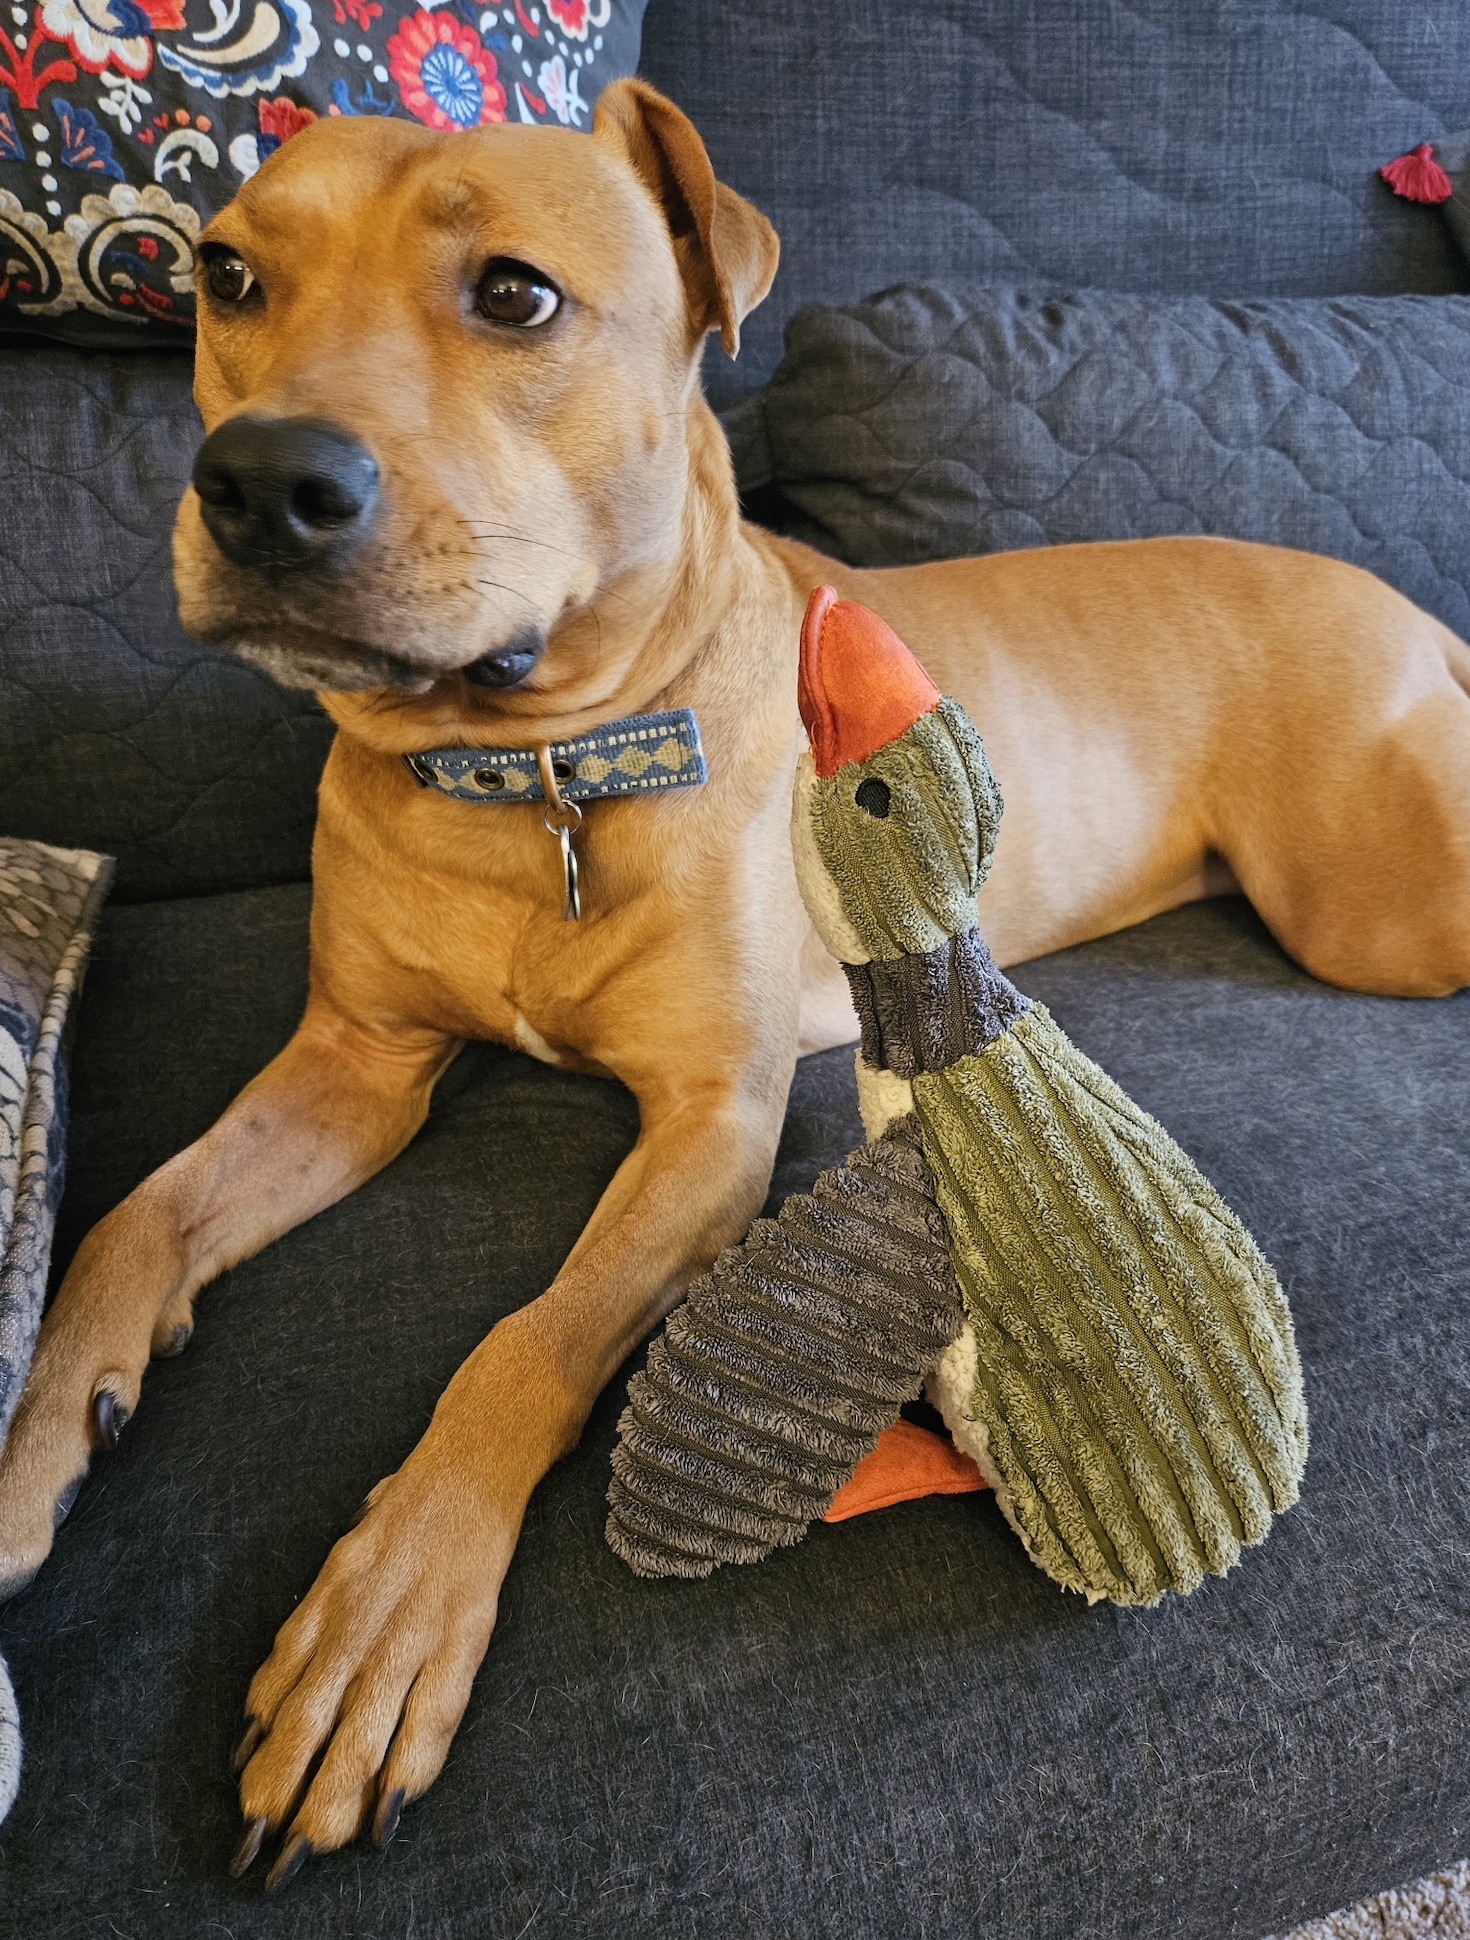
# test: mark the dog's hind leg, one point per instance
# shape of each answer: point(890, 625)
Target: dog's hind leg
point(1365, 876)
point(335, 1105)
point(1457, 659)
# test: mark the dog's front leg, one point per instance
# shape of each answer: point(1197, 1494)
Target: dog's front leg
point(337, 1103)
point(373, 1670)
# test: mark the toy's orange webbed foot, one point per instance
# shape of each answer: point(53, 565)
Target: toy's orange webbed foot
point(908, 1461)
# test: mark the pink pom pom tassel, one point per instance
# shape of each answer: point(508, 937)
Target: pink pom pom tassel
point(1418, 177)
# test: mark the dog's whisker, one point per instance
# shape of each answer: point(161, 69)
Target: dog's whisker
point(499, 586)
point(500, 534)
point(597, 622)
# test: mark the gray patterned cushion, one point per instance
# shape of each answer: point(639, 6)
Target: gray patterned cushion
point(925, 424)
point(49, 900)
point(9, 1742)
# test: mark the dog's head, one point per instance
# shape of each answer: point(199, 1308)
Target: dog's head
point(447, 381)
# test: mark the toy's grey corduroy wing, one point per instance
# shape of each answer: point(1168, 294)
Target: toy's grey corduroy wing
point(784, 1365)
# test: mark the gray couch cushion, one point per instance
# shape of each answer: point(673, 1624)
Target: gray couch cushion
point(1410, 176)
point(900, 1726)
point(928, 424)
point(1127, 144)
point(117, 732)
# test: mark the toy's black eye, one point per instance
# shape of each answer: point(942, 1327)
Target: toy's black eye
point(873, 795)
point(514, 293)
point(229, 278)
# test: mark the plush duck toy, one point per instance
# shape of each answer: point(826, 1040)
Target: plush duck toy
point(1105, 1341)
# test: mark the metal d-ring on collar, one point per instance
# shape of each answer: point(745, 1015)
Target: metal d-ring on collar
point(561, 819)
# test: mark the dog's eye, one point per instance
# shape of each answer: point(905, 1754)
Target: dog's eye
point(873, 796)
point(514, 293)
point(229, 279)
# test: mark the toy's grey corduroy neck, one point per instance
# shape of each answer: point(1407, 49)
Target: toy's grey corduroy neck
point(923, 1010)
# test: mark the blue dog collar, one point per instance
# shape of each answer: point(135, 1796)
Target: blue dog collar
point(639, 755)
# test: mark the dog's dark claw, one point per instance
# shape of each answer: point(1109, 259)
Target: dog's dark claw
point(385, 1820)
point(177, 1341)
point(64, 1501)
point(248, 1847)
point(109, 1418)
point(293, 1856)
point(245, 1750)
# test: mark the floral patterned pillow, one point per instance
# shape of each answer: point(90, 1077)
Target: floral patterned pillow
point(125, 124)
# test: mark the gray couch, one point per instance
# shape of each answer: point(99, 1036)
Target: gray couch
point(899, 1728)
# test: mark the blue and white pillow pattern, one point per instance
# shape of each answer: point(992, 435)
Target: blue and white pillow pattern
point(49, 899)
point(126, 124)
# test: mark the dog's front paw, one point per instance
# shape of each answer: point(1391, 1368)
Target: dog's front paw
point(371, 1673)
point(44, 1464)
point(116, 1307)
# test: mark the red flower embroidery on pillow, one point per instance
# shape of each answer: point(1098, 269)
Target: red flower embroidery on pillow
point(283, 119)
point(103, 33)
point(576, 18)
point(445, 76)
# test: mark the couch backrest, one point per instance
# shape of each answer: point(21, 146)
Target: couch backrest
point(1225, 146)
point(1220, 147)
point(117, 732)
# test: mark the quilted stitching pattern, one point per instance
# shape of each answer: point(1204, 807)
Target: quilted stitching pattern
point(118, 733)
point(927, 425)
point(1114, 144)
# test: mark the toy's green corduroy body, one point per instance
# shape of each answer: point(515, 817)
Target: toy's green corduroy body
point(1125, 1374)
point(1127, 1379)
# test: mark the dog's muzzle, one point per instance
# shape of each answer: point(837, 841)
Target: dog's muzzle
point(285, 494)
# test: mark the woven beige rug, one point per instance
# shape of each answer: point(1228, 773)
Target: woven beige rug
point(1437, 1908)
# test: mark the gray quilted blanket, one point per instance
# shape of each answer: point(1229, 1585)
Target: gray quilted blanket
point(929, 424)
point(49, 900)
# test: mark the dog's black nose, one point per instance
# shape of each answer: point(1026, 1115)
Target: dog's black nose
point(285, 492)
point(508, 666)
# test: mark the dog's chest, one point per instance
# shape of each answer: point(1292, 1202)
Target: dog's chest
point(508, 970)
point(486, 953)
point(530, 1039)
point(450, 917)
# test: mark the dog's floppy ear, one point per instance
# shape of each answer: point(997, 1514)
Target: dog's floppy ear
point(727, 251)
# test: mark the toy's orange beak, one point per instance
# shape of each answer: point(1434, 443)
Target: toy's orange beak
point(858, 686)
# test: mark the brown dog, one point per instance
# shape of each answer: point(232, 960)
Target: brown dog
point(468, 485)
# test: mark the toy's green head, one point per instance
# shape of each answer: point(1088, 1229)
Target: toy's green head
point(896, 810)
